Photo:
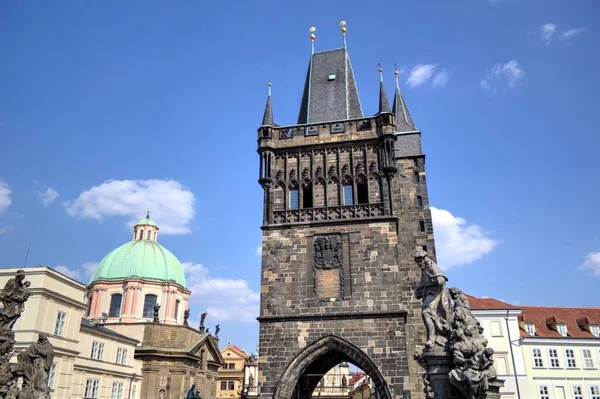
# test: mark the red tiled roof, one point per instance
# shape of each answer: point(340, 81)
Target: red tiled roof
point(237, 349)
point(356, 376)
point(488, 303)
point(539, 315)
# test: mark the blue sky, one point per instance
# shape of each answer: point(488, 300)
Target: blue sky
point(108, 109)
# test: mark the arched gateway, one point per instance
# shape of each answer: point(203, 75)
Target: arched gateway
point(345, 206)
point(300, 378)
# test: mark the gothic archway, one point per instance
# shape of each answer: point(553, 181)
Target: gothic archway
point(303, 374)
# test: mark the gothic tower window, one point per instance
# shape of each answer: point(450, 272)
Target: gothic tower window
point(149, 303)
point(294, 198)
point(362, 193)
point(115, 305)
point(348, 194)
point(307, 197)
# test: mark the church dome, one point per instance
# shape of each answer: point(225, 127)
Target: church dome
point(142, 258)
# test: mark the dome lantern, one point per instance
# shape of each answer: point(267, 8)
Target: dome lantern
point(146, 229)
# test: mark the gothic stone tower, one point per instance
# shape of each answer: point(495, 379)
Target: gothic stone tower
point(345, 205)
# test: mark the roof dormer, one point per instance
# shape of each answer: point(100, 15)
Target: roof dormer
point(589, 325)
point(557, 325)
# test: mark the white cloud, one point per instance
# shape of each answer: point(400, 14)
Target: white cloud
point(441, 79)
point(420, 74)
point(48, 196)
point(74, 274)
point(89, 268)
point(571, 33)
point(548, 31)
point(171, 204)
point(502, 75)
point(258, 251)
point(5, 200)
point(225, 299)
point(592, 263)
point(458, 242)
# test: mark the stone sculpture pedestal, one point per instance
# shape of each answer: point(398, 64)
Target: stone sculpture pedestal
point(438, 364)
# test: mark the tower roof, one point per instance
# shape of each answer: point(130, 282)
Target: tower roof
point(330, 92)
point(384, 104)
point(404, 122)
point(268, 115)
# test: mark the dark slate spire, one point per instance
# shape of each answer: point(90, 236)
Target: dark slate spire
point(384, 104)
point(404, 122)
point(268, 116)
point(330, 92)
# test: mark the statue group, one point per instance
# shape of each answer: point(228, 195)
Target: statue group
point(452, 332)
point(35, 361)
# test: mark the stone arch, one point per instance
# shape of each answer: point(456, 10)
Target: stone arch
point(302, 374)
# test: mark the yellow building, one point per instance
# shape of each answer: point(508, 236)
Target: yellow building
point(230, 380)
point(90, 360)
point(561, 347)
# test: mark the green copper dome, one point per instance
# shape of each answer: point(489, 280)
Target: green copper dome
point(146, 221)
point(145, 259)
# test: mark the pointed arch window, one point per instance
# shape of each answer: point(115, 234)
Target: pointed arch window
point(348, 194)
point(294, 198)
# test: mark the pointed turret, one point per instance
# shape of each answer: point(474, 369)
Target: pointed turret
point(384, 104)
point(404, 122)
point(268, 116)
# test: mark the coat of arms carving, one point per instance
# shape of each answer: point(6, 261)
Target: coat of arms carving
point(328, 252)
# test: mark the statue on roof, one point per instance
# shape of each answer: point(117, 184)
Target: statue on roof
point(156, 310)
point(202, 318)
point(186, 316)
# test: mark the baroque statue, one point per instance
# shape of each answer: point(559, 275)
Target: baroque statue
point(202, 318)
point(437, 304)
point(186, 316)
point(450, 324)
point(156, 309)
point(34, 365)
point(13, 296)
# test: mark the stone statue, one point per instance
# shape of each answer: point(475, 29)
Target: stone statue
point(427, 390)
point(437, 305)
point(251, 380)
point(191, 393)
point(217, 329)
point(473, 360)
point(13, 296)
point(202, 318)
point(186, 316)
point(206, 331)
point(34, 365)
point(156, 309)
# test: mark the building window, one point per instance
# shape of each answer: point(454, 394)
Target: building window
point(231, 366)
point(595, 330)
point(570, 355)
point(51, 374)
point(588, 362)
point(530, 328)
point(115, 305)
point(97, 350)
point(230, 385)
point(141, 235)
point(537, 357)
point(307, 197)
point(553, 356)
point(577, 392)
point(422, 226)
point(149, 234)
point(121, 356)
point(414, 163)
point(543, 392)
point(91, 389)
point(417, 177)
point(149, 303)
point(348, 194)
point(562, 329)
point(595, 391)
point(362, 193)
point(223, 385)
point(176, 309)
point(294, 198)
point(419, 200)
point(60, 323)
point(117, 390)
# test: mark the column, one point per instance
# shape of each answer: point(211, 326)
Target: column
point(94, 299)
point(127, 307)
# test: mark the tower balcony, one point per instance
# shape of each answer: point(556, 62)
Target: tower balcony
point(329, 213)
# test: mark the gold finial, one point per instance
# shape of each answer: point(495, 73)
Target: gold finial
point(343, 25)
point(312, 33)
